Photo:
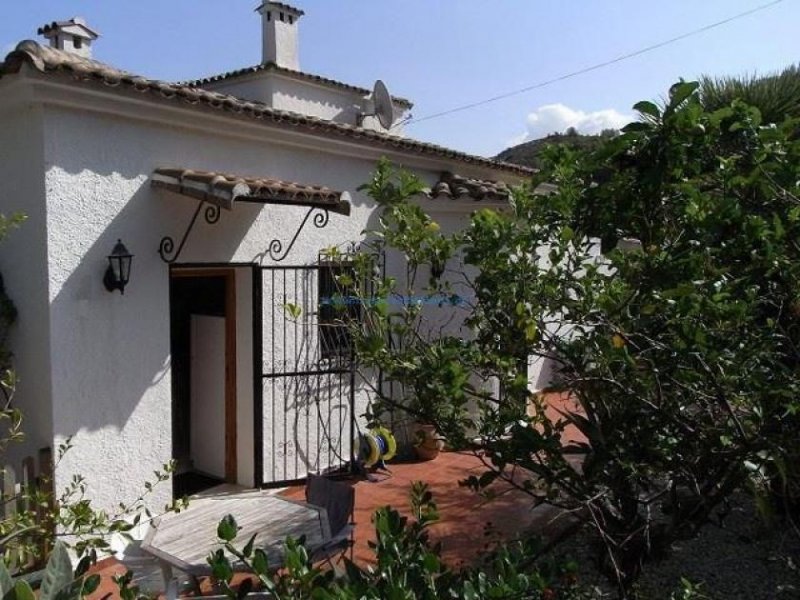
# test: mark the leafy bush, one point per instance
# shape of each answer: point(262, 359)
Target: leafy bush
point(662, 277)
point(59, 581)
point(406, 567)
point(777, 96)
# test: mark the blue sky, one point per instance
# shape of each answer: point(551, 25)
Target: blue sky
point(446, 53)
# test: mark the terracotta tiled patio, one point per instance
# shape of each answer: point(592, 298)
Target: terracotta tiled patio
point(469, 523)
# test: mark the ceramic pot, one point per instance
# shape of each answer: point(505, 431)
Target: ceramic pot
point(427, 442)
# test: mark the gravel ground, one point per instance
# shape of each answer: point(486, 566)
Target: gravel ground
point(747, 559)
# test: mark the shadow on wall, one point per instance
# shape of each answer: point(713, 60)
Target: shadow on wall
point(110, 351)
point(309, 425)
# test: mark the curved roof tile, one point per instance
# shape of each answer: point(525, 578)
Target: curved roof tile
point(49, 61)
point(458, 187)
point(274, 67)
point(224, 189)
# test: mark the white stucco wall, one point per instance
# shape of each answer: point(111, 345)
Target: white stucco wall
point(23, 265)
point(280, 40)
point(304, 97)
point(80, 167)
point(111, 352)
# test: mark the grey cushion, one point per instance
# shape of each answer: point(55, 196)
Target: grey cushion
point(337, 498)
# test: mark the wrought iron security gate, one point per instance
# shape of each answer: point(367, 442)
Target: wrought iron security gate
point(309, 385)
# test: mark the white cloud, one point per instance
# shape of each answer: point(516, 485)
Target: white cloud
point(557, 118)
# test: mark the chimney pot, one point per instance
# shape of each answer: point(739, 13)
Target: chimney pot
point(73, 36)
point(280, 34)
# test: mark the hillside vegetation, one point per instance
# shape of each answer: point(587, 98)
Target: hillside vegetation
point(528, 153)
point(776, 95)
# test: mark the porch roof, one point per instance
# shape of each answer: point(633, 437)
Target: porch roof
point(224, 189)
point(454, 186)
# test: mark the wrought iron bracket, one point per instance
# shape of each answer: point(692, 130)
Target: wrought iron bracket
point(166, 248)
point(275, 249)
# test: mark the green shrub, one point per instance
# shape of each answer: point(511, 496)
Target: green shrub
point(406, 566)
point(679, 344)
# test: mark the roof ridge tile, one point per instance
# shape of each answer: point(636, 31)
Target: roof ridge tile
point(49, 60)
point(272, 66)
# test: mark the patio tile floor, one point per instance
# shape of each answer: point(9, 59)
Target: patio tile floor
point(469, 523)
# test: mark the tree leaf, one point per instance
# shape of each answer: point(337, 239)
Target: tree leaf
point(636, 126)
point(293, 310)
point(248, 549)
point(431, 563)
point(469, 591)
point(227, 528)
point(23, 591)
point(260, 562)
point(6, 583)
point(679, 92)
point(221, 570)
point(648, 108)
point(57, 574)
point(90, 584)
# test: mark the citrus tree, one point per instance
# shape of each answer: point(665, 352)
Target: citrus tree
point(661, 276)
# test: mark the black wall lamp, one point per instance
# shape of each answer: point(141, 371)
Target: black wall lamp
point(118, 272)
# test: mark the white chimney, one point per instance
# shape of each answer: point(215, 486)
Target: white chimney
point(279, 24)
point(73, 36)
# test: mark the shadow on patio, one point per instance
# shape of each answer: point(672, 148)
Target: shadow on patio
point(469, 523)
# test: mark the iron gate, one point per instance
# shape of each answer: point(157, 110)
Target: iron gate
point(309, 385)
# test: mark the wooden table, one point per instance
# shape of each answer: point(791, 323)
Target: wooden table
point(186, 539)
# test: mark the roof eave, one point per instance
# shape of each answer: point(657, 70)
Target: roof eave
point(271, 67)
point(399, 149)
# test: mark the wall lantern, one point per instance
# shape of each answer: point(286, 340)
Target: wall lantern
point(118, 272)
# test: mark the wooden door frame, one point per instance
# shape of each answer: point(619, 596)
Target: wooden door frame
point(231, 438)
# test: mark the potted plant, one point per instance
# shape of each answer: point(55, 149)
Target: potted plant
point(427, 442)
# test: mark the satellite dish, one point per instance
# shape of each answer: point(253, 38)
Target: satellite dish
point(380, 105)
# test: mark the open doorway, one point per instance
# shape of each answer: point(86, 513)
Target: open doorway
point(203, 347)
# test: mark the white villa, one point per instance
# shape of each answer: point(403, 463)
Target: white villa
point(224, 191)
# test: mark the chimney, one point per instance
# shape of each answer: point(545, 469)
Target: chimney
point(279, 31)
point(73, 36)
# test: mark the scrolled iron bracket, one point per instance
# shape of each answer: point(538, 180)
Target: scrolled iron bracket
point(166, 248)
point(275, 248)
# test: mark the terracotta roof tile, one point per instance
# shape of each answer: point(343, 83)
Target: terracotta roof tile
point(452, 186)
point(224, 189)
point(48, 27)
point(283, 6)
point(273, 67)
point(51, 61)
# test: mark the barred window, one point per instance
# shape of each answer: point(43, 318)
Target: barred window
point(338, 306)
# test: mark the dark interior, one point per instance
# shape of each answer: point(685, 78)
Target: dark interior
point(188, 296)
